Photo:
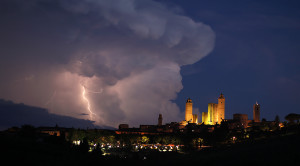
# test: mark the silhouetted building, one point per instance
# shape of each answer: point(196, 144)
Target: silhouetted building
point(242, 119)
point(160, 119)
point(50, 130)
point(148, 128)
point(123, 126)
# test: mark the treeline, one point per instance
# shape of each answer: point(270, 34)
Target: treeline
point(222, 134)
point(26, 145)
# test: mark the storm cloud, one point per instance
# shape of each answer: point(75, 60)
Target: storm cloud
point(110, 61)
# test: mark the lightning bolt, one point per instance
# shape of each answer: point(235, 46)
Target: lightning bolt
point(91, 113)
point(51, 98)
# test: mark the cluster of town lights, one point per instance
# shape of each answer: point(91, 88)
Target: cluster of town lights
point(159, 147)
point(105, 148)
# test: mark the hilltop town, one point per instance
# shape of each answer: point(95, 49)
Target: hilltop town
point(211, 120)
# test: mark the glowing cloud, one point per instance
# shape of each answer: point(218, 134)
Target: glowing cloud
point(127, 53)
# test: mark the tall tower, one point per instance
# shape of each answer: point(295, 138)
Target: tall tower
point(160, 119)
point(205, 118)
point(212, 113)
point(256, 112)
point(195, 118)
point(189, 110)
point(221, 108)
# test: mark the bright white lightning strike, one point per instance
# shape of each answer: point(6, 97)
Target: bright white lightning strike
point(88, 103)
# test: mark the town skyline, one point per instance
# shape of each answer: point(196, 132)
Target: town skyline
point(214, 115)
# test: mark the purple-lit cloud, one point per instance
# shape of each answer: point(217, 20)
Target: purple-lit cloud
point(124, 57)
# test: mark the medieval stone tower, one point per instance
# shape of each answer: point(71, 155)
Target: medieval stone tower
point(256, 112)
point(189, 110)
point(221, 108)
point(215, 113)
point(212, 113)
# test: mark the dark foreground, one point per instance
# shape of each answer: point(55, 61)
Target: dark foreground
point(283, 150)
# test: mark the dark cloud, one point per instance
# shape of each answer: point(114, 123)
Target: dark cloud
point(19, 114)
point(83, 114)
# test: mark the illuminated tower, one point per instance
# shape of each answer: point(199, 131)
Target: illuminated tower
point(160, 119)
point(205, 118)
point(212, 113)
point(195, 118)
point(256, 112)
point(221, 109)
point(189, 110)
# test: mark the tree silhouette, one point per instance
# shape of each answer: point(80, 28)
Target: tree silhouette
point(84, 146)
point(28, 131)
point(291, 118)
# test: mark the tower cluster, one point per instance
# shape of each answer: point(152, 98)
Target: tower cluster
point(215, 113)
point(211, 119)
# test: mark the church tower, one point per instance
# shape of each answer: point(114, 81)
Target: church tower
point(189, 110)
point(221, 109)
point(256, 112)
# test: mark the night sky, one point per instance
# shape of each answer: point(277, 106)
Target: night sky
point(101, 63)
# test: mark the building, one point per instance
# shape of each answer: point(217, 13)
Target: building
point(150, 129)
point(160, 119)
point(212, 113)
point(221, 109)
point(256, 112)
point(189, 110)
point(50, 130)
point(211, 119)
point(242, 120)
point(123, 126)
point(195, 118)
point(189, 116)
point(215, 113)
point(204, 117)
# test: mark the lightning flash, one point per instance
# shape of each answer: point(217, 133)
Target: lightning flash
point(51, 98)
point(91, 113)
